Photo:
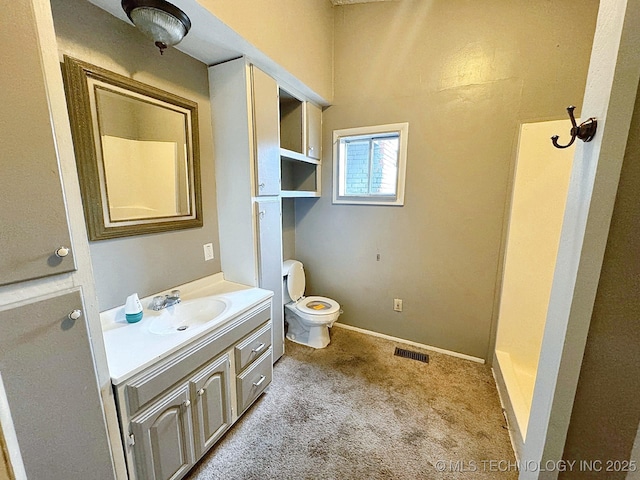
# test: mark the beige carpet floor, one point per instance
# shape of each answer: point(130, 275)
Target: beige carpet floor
point(355, 411)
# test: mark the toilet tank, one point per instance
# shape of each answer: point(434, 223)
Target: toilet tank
point(294, 280)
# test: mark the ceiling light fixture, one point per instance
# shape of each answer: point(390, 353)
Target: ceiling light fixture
point(161, 21)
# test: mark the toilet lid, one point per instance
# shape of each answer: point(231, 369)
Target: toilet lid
point(295, 281)
point(318, 306)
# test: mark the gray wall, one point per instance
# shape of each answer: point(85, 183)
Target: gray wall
point(288, 228)
point(149, 263)
point(464, 74)
point(606, 411)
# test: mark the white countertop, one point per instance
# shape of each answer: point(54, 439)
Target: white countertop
point(131, 347)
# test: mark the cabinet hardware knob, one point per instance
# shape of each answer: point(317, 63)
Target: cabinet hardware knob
point(259, 348)
point(186, 403)
point(131, 441)
point(261, 214)
point(201, 392)
point(75, 314)
point(62, 252)
point(261, 185)
point(259, 382)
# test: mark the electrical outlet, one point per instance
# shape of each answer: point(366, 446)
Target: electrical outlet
point(208, 251)
point(397, 304)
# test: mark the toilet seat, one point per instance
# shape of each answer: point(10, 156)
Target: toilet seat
point(317, 305)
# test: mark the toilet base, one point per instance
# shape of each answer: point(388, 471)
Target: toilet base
point(316, 337)
point(310, 332)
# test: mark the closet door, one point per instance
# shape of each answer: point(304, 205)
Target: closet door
point(269, 215)
point(50, 382)
point(266, 134)
point(33, 217)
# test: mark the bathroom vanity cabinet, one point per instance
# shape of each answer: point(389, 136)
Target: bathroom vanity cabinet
point(173, 412)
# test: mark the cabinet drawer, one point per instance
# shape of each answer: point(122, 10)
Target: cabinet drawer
point(254, 380)
point(252, 347)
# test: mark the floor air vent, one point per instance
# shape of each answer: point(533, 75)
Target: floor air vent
point(421, 357)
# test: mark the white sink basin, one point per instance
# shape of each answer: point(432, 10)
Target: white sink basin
point(187, 314)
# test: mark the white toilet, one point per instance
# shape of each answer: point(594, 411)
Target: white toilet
point(309, 318)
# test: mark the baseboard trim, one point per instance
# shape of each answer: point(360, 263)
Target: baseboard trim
point(409, 342)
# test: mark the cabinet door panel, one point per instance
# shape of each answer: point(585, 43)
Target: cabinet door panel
point(270, 265)
point(314, 131)
point(266, 136)
point(32, 201)
point(163, 447)
point(212, 403)
point(47, 371)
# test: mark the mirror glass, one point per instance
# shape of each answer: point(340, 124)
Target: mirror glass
point(136, 153)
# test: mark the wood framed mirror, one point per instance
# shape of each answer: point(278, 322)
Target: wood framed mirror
point(137, 153)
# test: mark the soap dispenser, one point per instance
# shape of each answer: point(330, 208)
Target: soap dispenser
point(133, 309)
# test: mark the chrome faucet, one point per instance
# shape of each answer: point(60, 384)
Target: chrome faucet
point(163, 301)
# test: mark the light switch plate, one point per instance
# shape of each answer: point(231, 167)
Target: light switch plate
point(208, 251)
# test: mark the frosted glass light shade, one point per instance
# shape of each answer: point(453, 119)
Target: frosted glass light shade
point(161, 21)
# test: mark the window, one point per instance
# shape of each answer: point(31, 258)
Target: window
point(369, 164)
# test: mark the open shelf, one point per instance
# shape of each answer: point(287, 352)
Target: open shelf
point(299, 178)
point(291, 122)
point(291, 155)
point(299, 159)
point(299, 194)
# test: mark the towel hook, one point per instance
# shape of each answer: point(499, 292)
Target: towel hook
point(585, 131)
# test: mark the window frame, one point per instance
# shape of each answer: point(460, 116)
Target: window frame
point(402, 129)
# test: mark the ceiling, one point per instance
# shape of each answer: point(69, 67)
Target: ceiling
point(212, 42)
point(349, 2)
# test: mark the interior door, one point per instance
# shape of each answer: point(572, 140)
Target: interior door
point(50, 383)
point(269, 215)
point(610, 96)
